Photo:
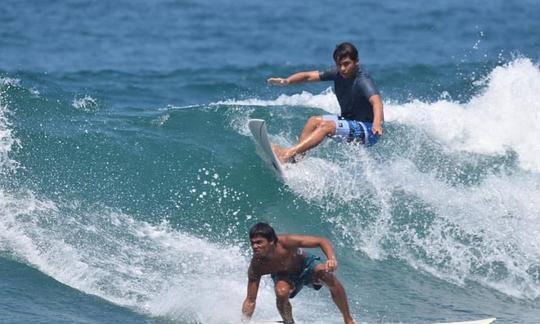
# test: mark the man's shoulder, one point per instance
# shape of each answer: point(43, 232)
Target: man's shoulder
point(329, 74)
point(285, 240)
point(362, 73)
point(365, 83)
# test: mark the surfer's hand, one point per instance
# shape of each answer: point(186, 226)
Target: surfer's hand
point(331, 265)
point(377, 129)
point(278, 81)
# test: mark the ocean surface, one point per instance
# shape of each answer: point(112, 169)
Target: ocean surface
point(128, 178)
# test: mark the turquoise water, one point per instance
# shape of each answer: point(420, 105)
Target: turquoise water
point(128, 179)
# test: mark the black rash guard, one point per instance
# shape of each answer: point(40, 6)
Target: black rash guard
point(353, 94)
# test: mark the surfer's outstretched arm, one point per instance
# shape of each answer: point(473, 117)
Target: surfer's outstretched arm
point(308, 76)
point(248, 307)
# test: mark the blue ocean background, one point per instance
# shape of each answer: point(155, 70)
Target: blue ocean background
point(128, 178)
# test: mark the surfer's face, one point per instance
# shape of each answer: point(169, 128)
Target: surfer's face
point(347, 67)
point(261, 246)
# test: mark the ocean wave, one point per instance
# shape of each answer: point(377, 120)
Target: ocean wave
point(7, 139)
point(504, 116)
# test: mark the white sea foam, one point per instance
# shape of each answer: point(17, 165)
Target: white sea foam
point(35, 92)
point(86, 103)
point(10, 82)
point(325, 100)
point(161, 120)
point(487, 233)
point(7, 139)
point(505, 116)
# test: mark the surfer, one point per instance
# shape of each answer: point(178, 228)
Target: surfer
point(359, 99)
point(291, 269)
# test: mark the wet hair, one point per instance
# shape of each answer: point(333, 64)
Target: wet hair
point(345, 50)
point(263, 230)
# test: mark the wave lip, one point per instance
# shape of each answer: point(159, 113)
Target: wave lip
point(7, 138)
point(504, 116)
point(326, 100)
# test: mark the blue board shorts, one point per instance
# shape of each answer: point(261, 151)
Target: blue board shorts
point(352, 130)
point(304, 278)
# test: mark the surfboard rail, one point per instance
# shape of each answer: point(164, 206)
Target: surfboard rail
point(258, 130)
point(481, 321)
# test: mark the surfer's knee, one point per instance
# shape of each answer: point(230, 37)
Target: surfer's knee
point(282, 290)
point(328, 126)
point(315, 121)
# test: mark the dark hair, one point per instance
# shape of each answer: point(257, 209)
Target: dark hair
point(345, 50)
point(264, 230)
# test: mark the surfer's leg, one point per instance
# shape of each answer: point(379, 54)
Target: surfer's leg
point(336, 290)
point(312, 124)
point(283, 289)
point(325, 128)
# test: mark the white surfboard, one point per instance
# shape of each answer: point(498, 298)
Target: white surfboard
point(482, 321)
point(258, 130)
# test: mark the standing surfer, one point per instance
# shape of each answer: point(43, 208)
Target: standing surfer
point(359, 99)
point(291, 269)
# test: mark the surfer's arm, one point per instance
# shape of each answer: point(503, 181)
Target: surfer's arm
point(378, 114)
point(305, 241)
point(308, 76)
point(248, 307)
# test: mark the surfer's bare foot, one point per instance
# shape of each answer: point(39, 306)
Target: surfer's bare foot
point(277, 150)
point(287, 156)
point(284, 155)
